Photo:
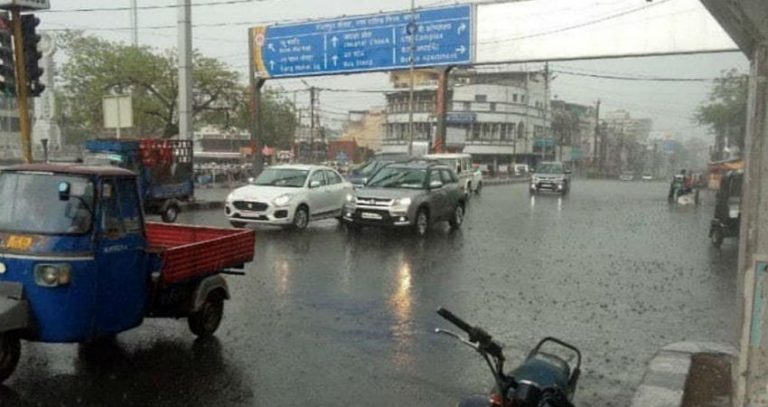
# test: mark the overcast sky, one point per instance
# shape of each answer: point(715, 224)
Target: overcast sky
point(221, 32)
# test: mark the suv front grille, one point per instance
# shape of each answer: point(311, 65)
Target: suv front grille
point(374, 202)
point(250, 206)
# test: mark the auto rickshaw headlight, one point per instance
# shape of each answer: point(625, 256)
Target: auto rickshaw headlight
point(3, 269)
point(53, 275)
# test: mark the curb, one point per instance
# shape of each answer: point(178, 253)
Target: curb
point(504, 181)
point(664, 380)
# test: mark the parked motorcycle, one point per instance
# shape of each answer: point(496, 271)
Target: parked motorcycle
point(543, 379)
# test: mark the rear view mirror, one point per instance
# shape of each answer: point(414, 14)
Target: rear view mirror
point(64, 191)
point(314, 184)
point(251, 180)
point(435, 185)
point(567, 171)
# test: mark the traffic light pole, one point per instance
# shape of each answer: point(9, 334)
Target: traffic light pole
point(21, 86)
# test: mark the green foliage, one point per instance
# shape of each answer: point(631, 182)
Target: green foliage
point(96, 67)
point(726, 110)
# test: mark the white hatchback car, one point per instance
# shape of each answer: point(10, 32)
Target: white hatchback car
point(289, 195)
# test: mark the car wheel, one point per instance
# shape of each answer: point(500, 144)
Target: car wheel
point(717, 238)
point(10, 351)
point(205, 321)
point(301, 218)
point(421, 226)
point(236, 224)
point(458, 217)
point(170, 213)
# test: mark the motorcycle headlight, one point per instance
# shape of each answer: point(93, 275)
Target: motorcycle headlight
point(53, 275)
point(282, 200)
point(402, 202)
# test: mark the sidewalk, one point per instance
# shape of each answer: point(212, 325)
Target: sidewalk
point(687, 374)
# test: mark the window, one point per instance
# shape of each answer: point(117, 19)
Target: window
point(481, 98)
point(448, 177)
point(319, 177)
point(333, 178)
point(493, 106)
point(467, 106)
point(111, 221)
point(130, 205)
point(514, 97)
point(434, 176)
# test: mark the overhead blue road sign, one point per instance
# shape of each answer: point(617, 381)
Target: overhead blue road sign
point(377, 42)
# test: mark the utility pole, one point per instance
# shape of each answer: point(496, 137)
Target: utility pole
point(547, 124)
point(312, 96)
point(411, 27)
point(185, 69)
point(595, 154)
point(135, 22)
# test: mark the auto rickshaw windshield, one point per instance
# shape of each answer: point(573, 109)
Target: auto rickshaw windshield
point(36, 207)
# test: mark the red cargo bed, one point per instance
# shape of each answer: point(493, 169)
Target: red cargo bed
point(188, 252)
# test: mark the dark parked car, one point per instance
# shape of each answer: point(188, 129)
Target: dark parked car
point(415, 194)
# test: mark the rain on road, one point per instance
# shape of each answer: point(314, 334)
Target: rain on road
point(329, 317)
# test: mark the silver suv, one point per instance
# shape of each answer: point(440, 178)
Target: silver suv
point(550, 176)
point(416, 194)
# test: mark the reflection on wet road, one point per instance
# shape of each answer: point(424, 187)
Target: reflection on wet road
point(328, 317)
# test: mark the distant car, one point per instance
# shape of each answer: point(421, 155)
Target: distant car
point(470, 179)
point(550, 176)
point(413, 194)
point(627, 176)
point(647, 177)
point(289, 196)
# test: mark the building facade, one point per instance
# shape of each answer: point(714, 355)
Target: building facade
point(499, 117)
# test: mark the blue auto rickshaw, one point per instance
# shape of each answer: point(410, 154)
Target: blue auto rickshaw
point(78, 262)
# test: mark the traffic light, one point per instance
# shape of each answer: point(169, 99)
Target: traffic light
point(32, 55)
point(7, 69)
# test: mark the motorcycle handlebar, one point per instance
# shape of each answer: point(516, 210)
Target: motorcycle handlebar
point(450, 317)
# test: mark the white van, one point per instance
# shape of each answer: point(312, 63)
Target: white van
point(470, 178)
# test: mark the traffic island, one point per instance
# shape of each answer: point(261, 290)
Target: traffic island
point(687, 374)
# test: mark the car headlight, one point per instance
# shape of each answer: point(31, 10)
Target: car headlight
point(733, 212)
point(402, 202)
point(53, 275)
point(231, 197)
point(350, 198)
point(282, 200)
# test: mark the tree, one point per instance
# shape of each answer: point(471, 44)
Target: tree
point(565, 125)
point(96, 67)
point(278, 116)
point(725, 112)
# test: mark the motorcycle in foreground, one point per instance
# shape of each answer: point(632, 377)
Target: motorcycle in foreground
point(542, 380)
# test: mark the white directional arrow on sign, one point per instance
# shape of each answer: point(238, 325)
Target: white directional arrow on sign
point(461, 49)
point(271, 65)
point(271, 47)
point(335, 59)
point(335, 41)
point(462, 28)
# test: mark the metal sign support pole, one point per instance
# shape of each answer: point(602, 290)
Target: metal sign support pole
point(255, 124)
point(185, 70)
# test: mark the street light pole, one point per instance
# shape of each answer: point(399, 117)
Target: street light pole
point(185, 69)
point(411, 28)
point(135, 22)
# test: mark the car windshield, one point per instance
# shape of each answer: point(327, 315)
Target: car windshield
point(282, 177)
point(37, 207)
point(550, 168)
point(369, 168)
point(394, 177)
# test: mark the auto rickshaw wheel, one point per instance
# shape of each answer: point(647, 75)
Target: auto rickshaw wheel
point(205, 321)
point(10, 352)
point(170, 213)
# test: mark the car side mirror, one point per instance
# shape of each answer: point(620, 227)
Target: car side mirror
point(567, 171)
point(314, 184)
point(251, 180)
point(435, 185)
point(64, 191)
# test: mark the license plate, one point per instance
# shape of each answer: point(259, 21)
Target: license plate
point(369, 215)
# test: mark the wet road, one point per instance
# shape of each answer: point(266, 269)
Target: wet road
point(330, 318)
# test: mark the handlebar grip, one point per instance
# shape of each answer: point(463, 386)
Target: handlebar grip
point(448, 315)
